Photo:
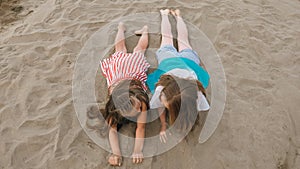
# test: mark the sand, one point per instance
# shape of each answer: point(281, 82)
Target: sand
point(258, 44)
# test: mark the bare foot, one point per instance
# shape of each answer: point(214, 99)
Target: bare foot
point(121, 26)
point(141, 31)
point(176, 13)
point(164, 11)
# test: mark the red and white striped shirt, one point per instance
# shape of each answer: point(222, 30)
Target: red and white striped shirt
point(125, 66)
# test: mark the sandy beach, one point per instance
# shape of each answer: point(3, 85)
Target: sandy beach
point(257, 42)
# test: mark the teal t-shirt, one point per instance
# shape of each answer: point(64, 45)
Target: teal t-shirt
point(180, 63)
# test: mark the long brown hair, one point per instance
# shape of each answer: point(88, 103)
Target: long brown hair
point(181, 96)
point(120, 101)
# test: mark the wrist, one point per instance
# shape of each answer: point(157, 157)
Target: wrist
point(164, 124)
point(137, 152)
point(118, 153)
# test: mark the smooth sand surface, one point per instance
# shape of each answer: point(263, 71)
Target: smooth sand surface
point(257, 41)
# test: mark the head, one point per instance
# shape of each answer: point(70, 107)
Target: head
point(179, 96)
point(125, 101)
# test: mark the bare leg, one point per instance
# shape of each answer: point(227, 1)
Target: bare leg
point(167, 38)
point(143, 42)
point(183, 40)
point(120, 39)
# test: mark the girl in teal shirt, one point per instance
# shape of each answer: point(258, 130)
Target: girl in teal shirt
point(178, 85)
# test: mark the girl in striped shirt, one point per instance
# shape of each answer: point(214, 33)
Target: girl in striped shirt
point(127, 98)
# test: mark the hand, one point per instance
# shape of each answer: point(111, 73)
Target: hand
point(163, 134)
point(163, 137)
point(115, 160)
point(137, 157)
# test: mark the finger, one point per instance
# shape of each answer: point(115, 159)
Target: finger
point(111, 161)
point(163, 137)
point(119, 161)
point(160, 138)
point(141, 158)
point(116, 160)
point(166, 137)
point(137, 160)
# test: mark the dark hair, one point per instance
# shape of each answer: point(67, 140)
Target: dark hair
point(181, 95)
point(120, 101)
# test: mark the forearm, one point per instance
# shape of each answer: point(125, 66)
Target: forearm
point(139, 140)
point(162, 118)
point(114, 141)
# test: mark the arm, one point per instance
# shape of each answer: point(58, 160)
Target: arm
point(114, 141)
point(162, 117)
point(156, 103)
point(115, 158)
point(140, 135)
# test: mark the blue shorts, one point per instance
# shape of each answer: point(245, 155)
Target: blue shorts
point(169, 51)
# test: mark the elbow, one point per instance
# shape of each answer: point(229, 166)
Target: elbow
point(113, 130)
point(141, 127)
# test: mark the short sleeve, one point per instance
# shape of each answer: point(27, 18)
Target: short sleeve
point(155, 101)
point(104, 66)
point(202, 104)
